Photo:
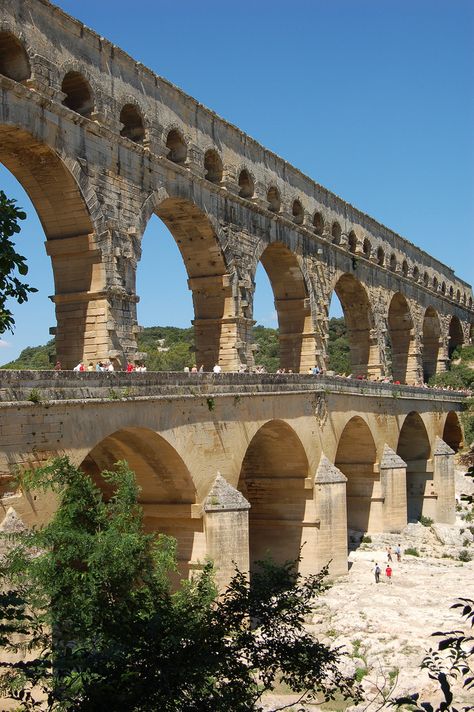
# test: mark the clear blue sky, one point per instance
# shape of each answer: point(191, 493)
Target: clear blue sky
point(372, 98)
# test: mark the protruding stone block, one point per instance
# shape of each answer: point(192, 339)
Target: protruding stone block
point(393, 479)
point(443, 479)
point(331, 510)
point(226, 523)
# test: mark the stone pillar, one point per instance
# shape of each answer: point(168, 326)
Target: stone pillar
point(82, 305)
point(393, 478)
point(443, 481)
point(331, 510)
point(297, 335)
point(226, 524)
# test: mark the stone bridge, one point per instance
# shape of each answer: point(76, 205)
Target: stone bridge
point(101, 143)
point(234, 465)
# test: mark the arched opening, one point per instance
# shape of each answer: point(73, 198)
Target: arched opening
point(358, 319)
point(416, 273)
point(246, 185)
point(405, 268)
point(414, 448)
point(297, 212)
point(167, 491)
point(318, 223)
point(458, 295)
point(451, 292)
point(272, 479)
point(176, 145)
point(367, 248)
point(274, 200)
point(443, 287)
point(355, 457)
point(132, 124)
point(213, 166)
point(352, 242)
point(14, 62)
point(78, 93)
point(400, 332)
point(380, 257)
point(435, 284)
point(393, 263)
point(431, 336)
point(426, 279)
point(452, 432)
point(336, 233)
point(66, 222)
point(215, 323)
point(456, 337)
point(296, 336)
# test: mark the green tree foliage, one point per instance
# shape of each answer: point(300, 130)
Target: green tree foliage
point(11, 287)
point(338, 347)
point(451, 661)
point(170, 348)
point(90, 594)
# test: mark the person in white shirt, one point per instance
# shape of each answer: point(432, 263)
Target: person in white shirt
point(217, 368)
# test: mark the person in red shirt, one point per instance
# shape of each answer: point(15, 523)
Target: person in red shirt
point(388, 573)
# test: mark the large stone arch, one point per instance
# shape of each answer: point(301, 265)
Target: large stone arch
point(167, 490)
point(431, 343)
point(402, 340)
point(415, 449)
point(452, 431)
point(356, 457)
point(292, 305)
point(211, 277)
point(273, 477)
point(364, 350)
point(69, 215)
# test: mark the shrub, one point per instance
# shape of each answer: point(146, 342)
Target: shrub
point(366, 539)
point(411, 551)
point(425, 521)
point(464, 555)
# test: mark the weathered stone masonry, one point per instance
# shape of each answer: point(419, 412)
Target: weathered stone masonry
point(236, 467)
point(101, 144)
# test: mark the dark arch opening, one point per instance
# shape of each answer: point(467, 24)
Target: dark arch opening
point(133, 127)
point(65, 219)
point(367, 248)
point(296, 338)
point(358, 318)
point(336, 233)
point(452, 432)
point(405, 268)
point(274, 200)
point(416, 273)
point(14, 62)
point(456, 337)
point(355, 457)
point(78, 93)
point(393, 263)
point(297, 212)
point(352, 242)
point(176, 145)
point(167, 491)
point(246, 184)
point(380, 257)
point(274, 485)
point(414, 448)
point(318, 223)
point(431, 337)
point(400, 332)
point(213, 166)
point(426, 279)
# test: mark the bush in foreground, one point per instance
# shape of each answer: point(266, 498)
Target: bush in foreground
point(90, 595)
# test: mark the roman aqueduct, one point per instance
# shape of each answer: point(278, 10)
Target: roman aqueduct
point(101, 143)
